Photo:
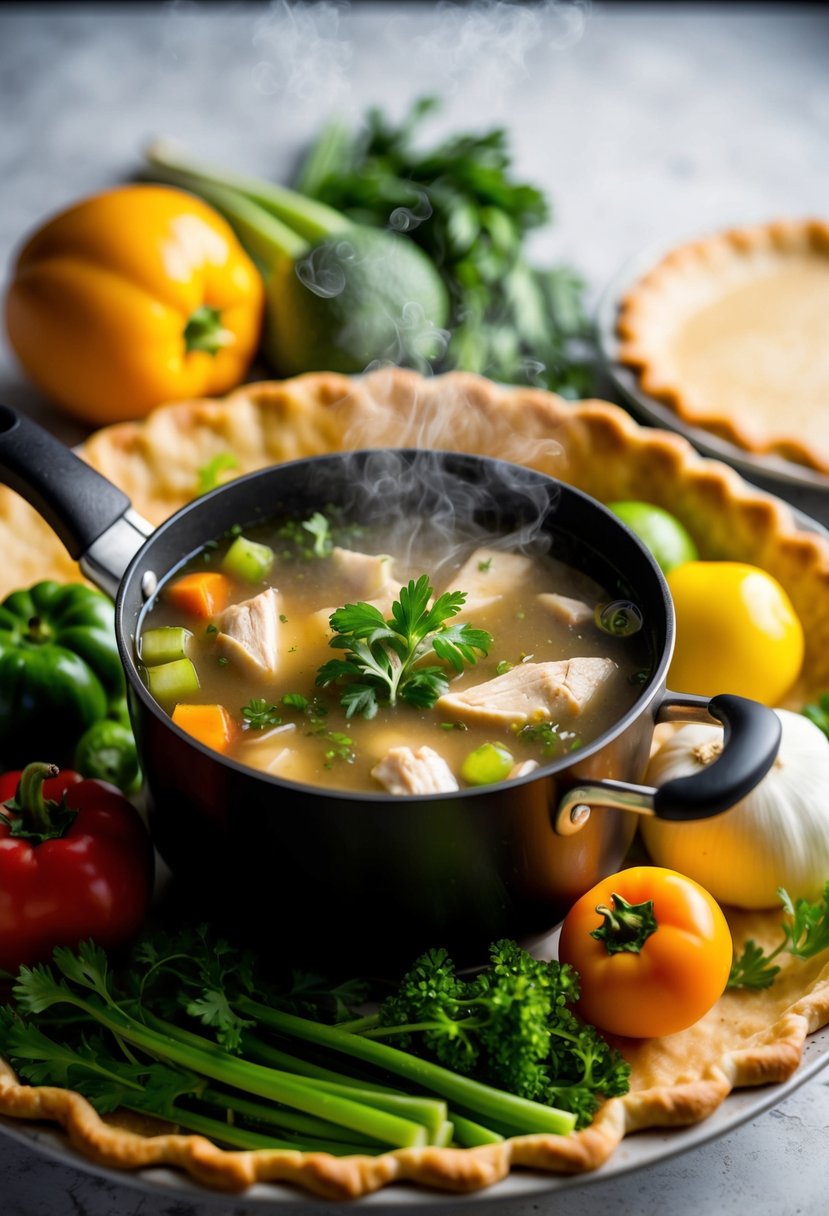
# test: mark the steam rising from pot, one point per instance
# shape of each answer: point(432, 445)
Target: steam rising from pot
point(421, 497)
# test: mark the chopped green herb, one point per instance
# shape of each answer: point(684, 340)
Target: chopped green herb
point(259, 714)
point(283, 618)
point(295, 700)
point(314, 538)
point(639, 677)
point(340, 746)
point(485, 566)
point(223, 661)
point(320, 529)
point(211, 629)
point(383, 654)
point(453, 726)
point(209, 474)
point(550, 736)
point(502, 667)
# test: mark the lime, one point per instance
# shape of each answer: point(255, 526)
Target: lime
point(357, 297)
point(668, 540)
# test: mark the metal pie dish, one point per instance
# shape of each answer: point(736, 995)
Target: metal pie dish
point(351, 878)
point(805, 488)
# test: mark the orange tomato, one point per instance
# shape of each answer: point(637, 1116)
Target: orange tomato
point(662, 957)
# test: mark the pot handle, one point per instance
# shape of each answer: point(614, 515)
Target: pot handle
point(750, 744)
point(90, 515)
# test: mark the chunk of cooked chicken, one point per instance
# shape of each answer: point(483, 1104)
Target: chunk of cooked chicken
point(321, 617)
point(488, 575)
point(268, 750)
point(366, 577)
point(522, 769)
point(570, 611)
point(249, 634)
point(531, 692)
point(361, 574)
point(403, 771)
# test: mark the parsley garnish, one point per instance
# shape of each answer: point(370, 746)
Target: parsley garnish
point(320, 529)
point(485, 566)
point(503, 667)
point(383, 654)
point(805, 933)
point(259, 714)
point(295, 700)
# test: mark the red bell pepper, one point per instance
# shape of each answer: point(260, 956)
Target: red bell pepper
point(75, 862)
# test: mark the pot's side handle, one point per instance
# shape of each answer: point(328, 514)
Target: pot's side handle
point(750, 745)
point(751, 741)
point(80, 506)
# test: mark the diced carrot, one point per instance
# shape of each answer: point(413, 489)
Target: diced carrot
point(203, 593)
point(212, 725)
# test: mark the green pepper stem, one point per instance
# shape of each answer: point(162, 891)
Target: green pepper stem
point(32, 806)
point(37, 630)
point(626, 927)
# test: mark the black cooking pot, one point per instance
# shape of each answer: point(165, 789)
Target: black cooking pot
point(352, 876)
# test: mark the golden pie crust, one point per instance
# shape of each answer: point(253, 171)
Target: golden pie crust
point(732, 332)
point(748, 1038)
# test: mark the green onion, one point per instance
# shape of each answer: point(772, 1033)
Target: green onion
point(488, 763)
point(620, 618)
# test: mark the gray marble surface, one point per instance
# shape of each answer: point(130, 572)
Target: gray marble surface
point(645, 123)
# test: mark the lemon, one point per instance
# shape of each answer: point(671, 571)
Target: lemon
point(358, 297)
point(668, 540)
point(736, 631)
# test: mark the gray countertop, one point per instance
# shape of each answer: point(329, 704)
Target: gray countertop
point(644, 123)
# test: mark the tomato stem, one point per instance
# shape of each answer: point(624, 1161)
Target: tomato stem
point(626, 927)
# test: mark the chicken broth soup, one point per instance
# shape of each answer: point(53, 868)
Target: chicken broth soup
point(353, 657)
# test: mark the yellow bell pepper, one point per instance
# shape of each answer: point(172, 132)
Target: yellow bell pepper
point(131, 298)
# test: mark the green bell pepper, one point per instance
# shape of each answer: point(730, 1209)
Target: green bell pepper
point(59, 670)
point(107, 752)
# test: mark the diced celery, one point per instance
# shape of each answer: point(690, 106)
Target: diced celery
point(172, 681)
point(489, 762)
point(164, 644)
point(248, 560)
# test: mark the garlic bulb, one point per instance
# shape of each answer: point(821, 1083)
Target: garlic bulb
point(778, 836)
